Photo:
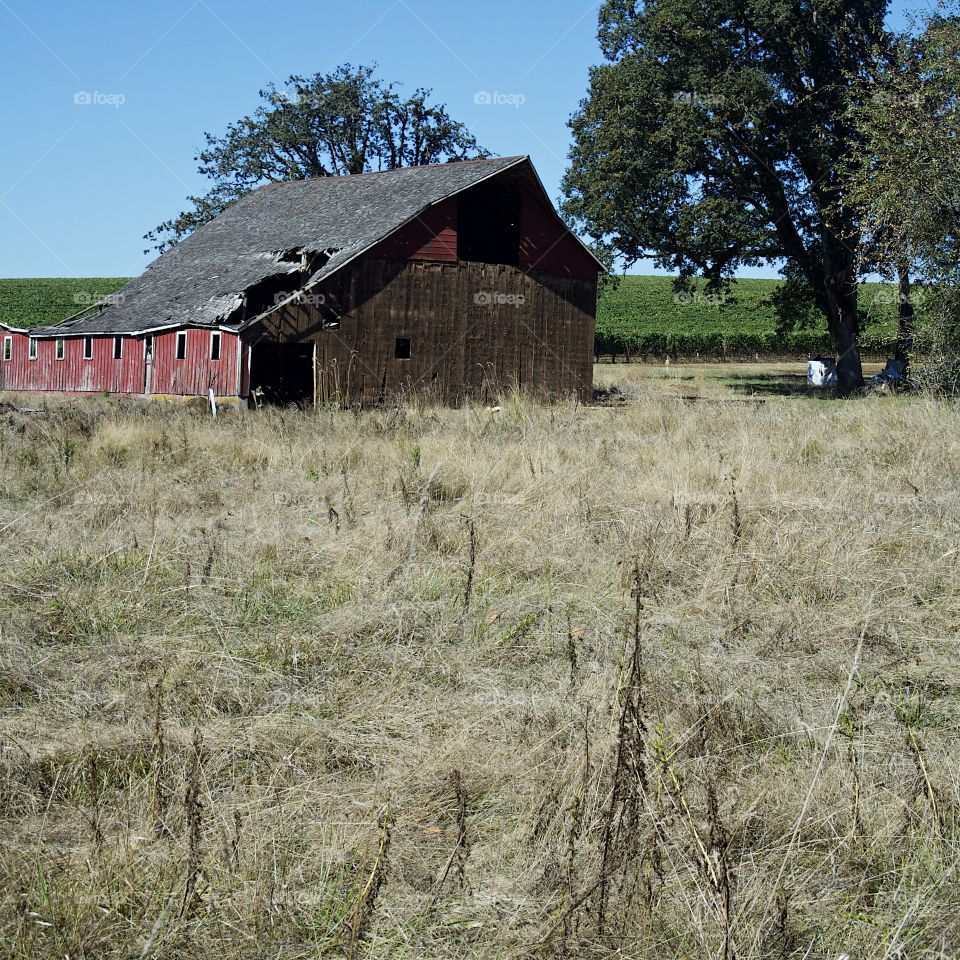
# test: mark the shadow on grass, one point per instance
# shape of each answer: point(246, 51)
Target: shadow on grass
point(771, 385)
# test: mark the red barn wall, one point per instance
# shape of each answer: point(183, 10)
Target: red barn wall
point(548, 247)
point(102, 374)
point(545, 246)
point(197, 373)
point(432, 236)
point(16, 372)
point(73, 374)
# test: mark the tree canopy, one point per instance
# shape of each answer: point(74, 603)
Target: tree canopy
point(344, 122)
point(906, 177)
point(713, 138)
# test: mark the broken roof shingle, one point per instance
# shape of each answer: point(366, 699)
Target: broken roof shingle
point(202, 280)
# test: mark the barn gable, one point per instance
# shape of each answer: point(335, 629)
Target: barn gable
point(280, 238)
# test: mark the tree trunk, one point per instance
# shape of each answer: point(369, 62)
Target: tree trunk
point(905, 328)
point(841, 290)
point(849, 366)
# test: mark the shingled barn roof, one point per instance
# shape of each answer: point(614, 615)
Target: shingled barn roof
point(299, 231)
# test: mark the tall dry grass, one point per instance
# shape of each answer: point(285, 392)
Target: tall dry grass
point(672, 679)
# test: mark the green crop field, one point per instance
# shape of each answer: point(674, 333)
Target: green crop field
point(642, 316)
point(36, 302)
point(639, 317)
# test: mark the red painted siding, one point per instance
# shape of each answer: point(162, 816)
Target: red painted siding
point(197, 373)
point(102, 374)
point(73, 374)
point(545, 247)
point(548, 247)
point(432, 236)
point(15, 371)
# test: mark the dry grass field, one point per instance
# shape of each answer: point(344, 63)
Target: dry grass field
point(668, 678)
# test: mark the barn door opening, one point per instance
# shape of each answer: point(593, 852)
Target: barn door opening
point(489, 225)
point(281, 374)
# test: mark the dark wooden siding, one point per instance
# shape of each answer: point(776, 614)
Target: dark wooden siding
point(474, 330)
point(244, 361)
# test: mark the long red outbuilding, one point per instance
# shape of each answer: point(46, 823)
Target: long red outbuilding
point(172, 363)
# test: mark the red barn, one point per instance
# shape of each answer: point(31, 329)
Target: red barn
point(455, 279)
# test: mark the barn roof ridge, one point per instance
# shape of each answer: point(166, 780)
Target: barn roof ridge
point(392, 170)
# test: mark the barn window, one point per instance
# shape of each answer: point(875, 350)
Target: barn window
point(182, 345)
point(8, 348)
point(88, 348)
point(60, 349)
point(32, 350)
point(118, 348)
point(148, 349)
point(402, 349)
point(214, 346)
point(488, 225)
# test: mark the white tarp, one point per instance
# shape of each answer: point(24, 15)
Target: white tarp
point(821, 372)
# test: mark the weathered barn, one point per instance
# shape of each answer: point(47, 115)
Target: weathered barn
point(456, 279)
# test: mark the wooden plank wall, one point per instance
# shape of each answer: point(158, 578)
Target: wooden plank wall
point(73, 374)
point(197, 373)
point(547, 246)
point(102, 374)
point(475, 330)
point(431, 236)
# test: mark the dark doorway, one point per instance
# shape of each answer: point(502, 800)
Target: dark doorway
point(489, 228)
point(282, 373)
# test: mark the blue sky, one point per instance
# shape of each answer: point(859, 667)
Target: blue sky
point(80, 183)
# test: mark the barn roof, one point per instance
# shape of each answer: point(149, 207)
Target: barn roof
point(300, 231)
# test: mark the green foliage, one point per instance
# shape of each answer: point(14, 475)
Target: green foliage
point(645, 315)
point(907, 181)
point(37, 302)
point(344, 122)
point(711, 139)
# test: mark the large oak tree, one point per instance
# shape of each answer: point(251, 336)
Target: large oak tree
point(344, 122)
point(712, 138)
